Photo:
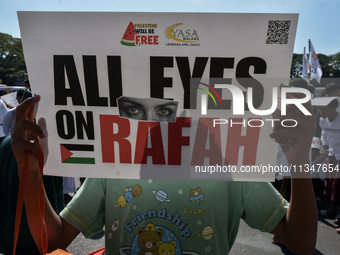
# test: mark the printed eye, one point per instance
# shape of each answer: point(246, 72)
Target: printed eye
point(133, 110)
point(164, 112)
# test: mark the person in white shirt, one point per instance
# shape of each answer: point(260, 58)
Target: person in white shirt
point(330, 138)
point(3, 111)
point(9, 118)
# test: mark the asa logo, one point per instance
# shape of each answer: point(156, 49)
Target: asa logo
point(180, 34)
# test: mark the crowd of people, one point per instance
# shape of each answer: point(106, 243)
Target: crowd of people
point(134, 221)
point(325, 154)
point(329, 123)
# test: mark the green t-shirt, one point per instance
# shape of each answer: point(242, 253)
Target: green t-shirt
point(178, 217)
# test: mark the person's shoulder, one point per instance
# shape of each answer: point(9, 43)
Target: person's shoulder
point(10, 112)
point(6, 153)
point(2, 103)
point(337, 118)
point(323, 122)
point(5, 145)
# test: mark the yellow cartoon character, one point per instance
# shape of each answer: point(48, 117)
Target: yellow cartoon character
point(121, 201)
point(130, 194)
point(166, 248)
point(196, 195)
point(149, 227)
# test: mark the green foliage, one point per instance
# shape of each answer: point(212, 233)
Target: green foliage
point(330, 66)
point(296, 69)
point(12, 62)
point(13, 68)
point(334, 63)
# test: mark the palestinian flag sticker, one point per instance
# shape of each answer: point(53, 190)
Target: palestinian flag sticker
point(66, 153)
point(129, 36)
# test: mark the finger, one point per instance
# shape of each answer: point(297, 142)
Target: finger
point(299, 134)
point(44, 141)
point(296, 116)
point(24, 125)
point(26, 109)
point(307, 122)
point(294, 120)
point(297, 95)
point(42, 124)
point(24, 145)
point(293, 94)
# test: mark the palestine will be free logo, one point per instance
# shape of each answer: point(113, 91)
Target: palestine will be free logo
point(140, 34)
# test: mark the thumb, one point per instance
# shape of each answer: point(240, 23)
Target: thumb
point(44, 141)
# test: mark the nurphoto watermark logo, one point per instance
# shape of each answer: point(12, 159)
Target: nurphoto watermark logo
point(244, 100)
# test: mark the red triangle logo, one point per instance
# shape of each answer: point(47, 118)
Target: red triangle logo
point(65, 153)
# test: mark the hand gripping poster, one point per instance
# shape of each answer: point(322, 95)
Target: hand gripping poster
point(159, 95)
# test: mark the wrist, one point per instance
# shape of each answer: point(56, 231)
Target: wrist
point(300, 168)
point(299, 159)
point(31, 173)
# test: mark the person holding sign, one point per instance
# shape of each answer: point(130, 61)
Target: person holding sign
point(174, 217)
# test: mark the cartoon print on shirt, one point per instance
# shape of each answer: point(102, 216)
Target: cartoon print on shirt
point(129, 195)
point(154, 240)
point(150, 227)
point(113, 229)
point(196, 195)
point(148, 239)
point(166, 248)
point(161, 196)
point(207, 233)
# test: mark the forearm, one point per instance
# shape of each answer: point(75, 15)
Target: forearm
point(25, 137)
point(301, 218)
point(53, 222)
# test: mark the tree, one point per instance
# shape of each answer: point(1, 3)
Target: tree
point(325, 67)
point(12, 62)
point(296, 68)
point(335, 64)
point(330, 66)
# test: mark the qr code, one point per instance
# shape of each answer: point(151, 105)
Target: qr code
point(278, 31)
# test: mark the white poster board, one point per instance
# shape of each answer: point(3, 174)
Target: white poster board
point(10, 99)
point(81, 63)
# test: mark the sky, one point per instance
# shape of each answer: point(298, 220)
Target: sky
point(319, 20)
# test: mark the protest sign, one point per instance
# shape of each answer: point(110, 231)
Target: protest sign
point(10, 99)
point(143, 95)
